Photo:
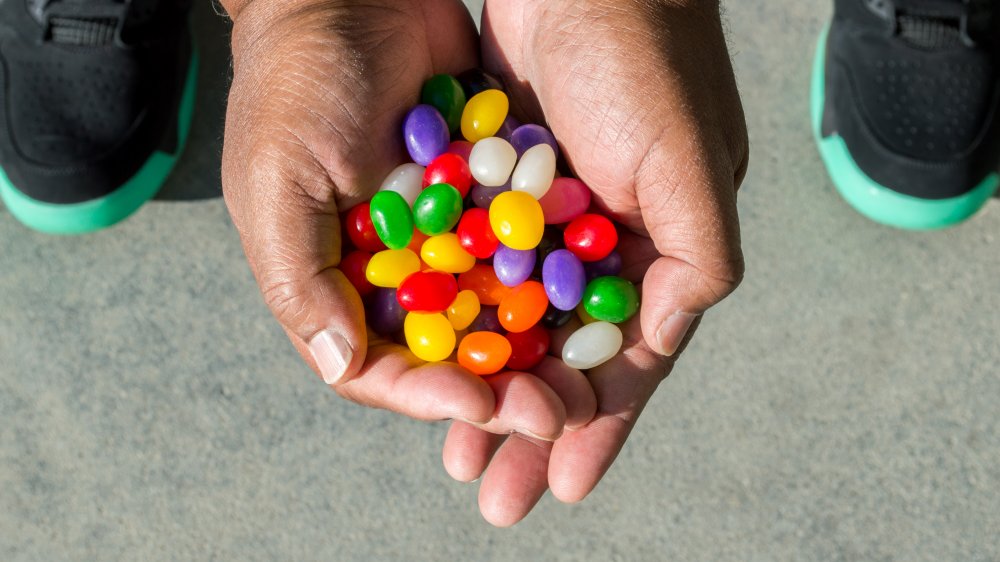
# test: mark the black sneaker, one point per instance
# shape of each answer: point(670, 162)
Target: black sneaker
point(906, 108)
point(96, 98)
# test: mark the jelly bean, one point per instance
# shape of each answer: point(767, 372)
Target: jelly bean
point(477, 80)
point(483, 281)
point(426, 134)
point(445, 253)
point(384, 314)
point(438, 209)
point(492, 161)
point(483, 115)
point(592, 345)
point(513, 267)
point(528, 348)
point(484, 353)
point(464, 310)
point(488, 320)
point(476, 235)
point(360, 229)
point(427, 291)
point(566, 200)
point(353, 266)
point(564, 279)
point(527, 136)
point(535, 171)
point(583, 315)
point(446, 95)
point(555, 318)
point(552, 240)
point(392, 219)
point(461, 148)
point(611, 299)
point(517, 220)
point(523, 307)
point(510, 124)
point(405, 180)
point(483, 196)
point(451, 169)
point(388, 268)
point(610, 265)
point(429, 336)
point(591, 237)
point(417, 244)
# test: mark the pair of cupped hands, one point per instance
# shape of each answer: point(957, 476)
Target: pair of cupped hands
point(640, 94)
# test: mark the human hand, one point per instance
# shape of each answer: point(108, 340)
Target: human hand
point(319, 92)
point(642, 97)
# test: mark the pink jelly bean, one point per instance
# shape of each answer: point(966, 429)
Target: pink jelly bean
point(567, 199)
point(461, 148)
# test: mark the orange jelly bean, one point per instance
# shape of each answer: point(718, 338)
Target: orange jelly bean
point(482, 280)
point(484, 353)
point(523, 307)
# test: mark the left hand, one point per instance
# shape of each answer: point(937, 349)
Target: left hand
point(642, 98)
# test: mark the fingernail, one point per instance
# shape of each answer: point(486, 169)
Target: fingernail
point(535, 435)
point(332, 354)
point(673, 330)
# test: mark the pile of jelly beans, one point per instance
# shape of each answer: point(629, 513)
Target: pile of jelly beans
point(478, 245)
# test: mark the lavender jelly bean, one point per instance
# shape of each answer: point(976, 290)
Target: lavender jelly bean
point(609, 266)
point(506, 132)
point(513, 267)
point(564, 279)
point(385, 314)
point(487, 321)
point(527, 136)
point(426, 134)
point(483, 196)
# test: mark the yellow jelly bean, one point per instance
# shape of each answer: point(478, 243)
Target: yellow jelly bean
point(517, 220)
point(585, 316)
point(464, 310)
point(484, 115)
point(388, 268)
point(429, 336)
point(445, 253)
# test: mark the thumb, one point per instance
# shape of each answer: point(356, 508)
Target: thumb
point(693, 222)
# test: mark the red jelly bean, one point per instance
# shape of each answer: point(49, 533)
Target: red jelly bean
point(451, 169)
point(353, 266)
point(523, 307)
point(461, 148)
point(361, 231)
point(427, 291)
point(482, 280)
point(591, 237)
point(475, 234)
point(528, 348)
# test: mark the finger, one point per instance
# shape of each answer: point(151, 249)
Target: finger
point(573, 389)
point(514, 481)
point(467, 451)
point(525, 405)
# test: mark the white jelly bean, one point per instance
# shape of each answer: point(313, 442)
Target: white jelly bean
point(592, 345)
point(492, 161)
point(536, 171)
point(406, 180)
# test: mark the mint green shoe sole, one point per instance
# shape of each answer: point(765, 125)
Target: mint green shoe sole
point(875, 201)
point(96, 214)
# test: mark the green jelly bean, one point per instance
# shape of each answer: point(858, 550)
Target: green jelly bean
point(611, 299)
point(392, 219)
point(446, 95)
point(437, 209)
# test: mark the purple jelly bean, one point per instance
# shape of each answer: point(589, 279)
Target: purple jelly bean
point(564, 279)
point(483, 196)
point(487, 321)
point(506, 132)
point(513, 267)
point(477, 80)
point(609, 266)
point(426, 133)
point(527, 136)
point(385, 314)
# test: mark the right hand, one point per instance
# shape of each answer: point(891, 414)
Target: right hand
point(313, 126)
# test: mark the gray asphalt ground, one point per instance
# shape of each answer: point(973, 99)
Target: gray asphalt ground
point(841, 406)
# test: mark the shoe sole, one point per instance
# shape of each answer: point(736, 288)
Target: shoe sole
point(873, 200)
point(97, 214)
